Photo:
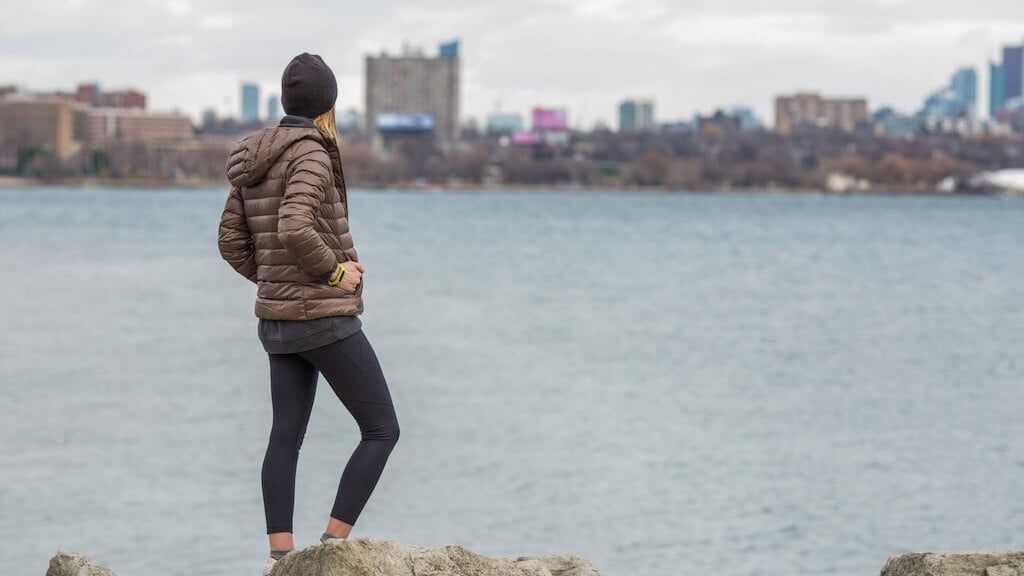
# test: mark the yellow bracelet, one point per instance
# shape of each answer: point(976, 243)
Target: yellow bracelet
point(335, 281)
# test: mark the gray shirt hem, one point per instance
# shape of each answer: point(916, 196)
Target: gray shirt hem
point(293, 336)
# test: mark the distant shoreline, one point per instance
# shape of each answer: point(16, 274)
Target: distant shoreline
point(148, 183)
point(23, 182)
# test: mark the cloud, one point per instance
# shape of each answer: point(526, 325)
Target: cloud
point(217, 22)
point(688, 55)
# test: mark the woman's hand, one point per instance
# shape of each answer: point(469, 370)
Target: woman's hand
point(353, 275)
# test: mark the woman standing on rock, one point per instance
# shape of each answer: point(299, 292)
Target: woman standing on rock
point(285, 228)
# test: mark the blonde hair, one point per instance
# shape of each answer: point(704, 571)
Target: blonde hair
point(327, 124)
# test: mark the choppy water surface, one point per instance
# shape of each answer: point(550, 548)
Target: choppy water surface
point(665, 383)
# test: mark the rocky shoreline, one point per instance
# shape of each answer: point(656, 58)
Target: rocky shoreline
point(372, 557)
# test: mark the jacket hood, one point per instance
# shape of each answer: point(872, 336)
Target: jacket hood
point(254, 155)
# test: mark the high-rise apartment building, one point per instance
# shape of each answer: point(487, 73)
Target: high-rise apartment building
point(414, 93)
point(810, 109)
point(250, 101)
point(636, 116)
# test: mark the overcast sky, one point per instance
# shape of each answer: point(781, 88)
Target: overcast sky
point(586, 55)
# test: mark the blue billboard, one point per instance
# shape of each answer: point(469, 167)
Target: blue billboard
point(449, 50)
point(391, 122)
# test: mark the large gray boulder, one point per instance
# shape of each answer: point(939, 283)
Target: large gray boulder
point(71, 564)
point(366, 557)
point(956, 564)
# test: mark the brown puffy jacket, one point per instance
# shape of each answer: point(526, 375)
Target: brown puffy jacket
point(285, 224)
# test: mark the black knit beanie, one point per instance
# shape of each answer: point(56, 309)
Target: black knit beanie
point(308, 87)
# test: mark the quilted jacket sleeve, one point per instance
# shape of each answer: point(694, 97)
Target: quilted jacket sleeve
point(306, 188)
point(234, 239)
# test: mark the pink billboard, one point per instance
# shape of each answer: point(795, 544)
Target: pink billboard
point(527, 139)
point(549, 119)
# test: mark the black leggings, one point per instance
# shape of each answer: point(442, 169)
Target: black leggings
point(351, 368)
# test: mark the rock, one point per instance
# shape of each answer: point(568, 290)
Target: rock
point(956, 564)
point(366, 557)
point(71, 564)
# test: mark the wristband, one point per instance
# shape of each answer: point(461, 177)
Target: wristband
point(341, 274)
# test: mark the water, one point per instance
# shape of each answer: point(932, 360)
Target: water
point(665, 383)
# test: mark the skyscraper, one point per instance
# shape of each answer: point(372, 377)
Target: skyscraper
point(957, 100)
point(996, 89)
point(965, 88)
point(1013, 72)
point(414, 93)
point(273, 108)
point(636, 116)
point(250, 101)
point(1006, 80)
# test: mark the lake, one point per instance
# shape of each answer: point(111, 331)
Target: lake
point(665, 383)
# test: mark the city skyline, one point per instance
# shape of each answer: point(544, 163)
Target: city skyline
point(523, 54)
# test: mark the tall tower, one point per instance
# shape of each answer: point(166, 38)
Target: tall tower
point(996, 89)
point(273, 108)
point(965, 87)
point(1013, 72)
point(250, 101)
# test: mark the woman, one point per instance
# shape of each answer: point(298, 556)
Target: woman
point(285, 227)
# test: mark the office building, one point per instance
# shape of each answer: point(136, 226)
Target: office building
point(718, 123)
point(92, 95)
point(1006, 79)
point(636, 116)
point(748, 121)
point(209, 118)
point(888, 122)
point(996, 89)
point(250, 101)
point(1013, 72)
point(965, 87)
point(810, 109)
point(504, 123)
point(37, 124)
point(957, 100)
point(273, 108)
point(101, 125)
point(413, 94)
